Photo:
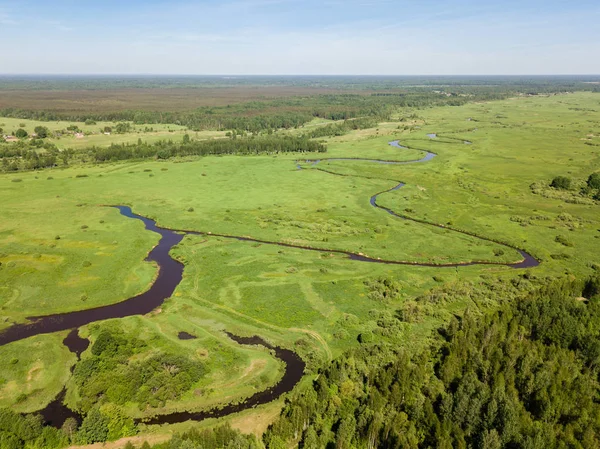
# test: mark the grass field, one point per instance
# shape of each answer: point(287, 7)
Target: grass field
point(316, 302)
point(93, 135)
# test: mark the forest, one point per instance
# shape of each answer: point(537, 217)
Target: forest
point(524, 376)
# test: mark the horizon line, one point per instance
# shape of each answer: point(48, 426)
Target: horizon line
point(296, 74)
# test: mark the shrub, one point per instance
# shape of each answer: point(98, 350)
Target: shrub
point(41, 131)
point(593, 181)
point(563, 240)
point(561, 182)
point(365, 337)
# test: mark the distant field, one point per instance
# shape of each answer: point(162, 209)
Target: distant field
point(94, 135)
point(61, 249)
point(147, 99)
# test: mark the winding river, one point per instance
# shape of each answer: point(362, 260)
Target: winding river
point(170, 273)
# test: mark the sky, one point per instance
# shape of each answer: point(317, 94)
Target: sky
point(300, 37)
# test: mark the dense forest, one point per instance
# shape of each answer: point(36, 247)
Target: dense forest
point(109, 376)
point(524, 376)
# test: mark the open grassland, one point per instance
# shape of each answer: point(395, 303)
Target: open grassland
point(94, 134)
point(34, 371)
point(263, 197)
point(315, 302)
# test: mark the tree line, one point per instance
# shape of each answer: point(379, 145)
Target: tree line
point(36, 154)
point(234, 145)
point(282, 113)
point(339, 129)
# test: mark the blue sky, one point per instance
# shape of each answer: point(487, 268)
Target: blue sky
point(300, 37)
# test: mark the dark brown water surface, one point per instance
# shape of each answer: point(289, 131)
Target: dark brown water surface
point(185, 336)
point(56, 413)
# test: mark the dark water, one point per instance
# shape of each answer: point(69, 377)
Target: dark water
point(56, 413)
point(396, 143)
point(294, 370)
point(185, 336)
point(169, 276)
point(75, 343)
point(528, 260)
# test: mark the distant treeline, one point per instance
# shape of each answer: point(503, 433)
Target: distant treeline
point(241, 146)
point(24, 155)
point(35, 155)
point(357, 82)
point(283, 113)
point(339, 129)
point(524, 376)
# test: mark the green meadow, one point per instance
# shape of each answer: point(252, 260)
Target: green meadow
point(63, 249)
point(95, 135)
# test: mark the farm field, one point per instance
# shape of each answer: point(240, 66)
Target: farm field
point(63, 248)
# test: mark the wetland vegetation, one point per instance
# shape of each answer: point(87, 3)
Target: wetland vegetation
point(395, 303)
